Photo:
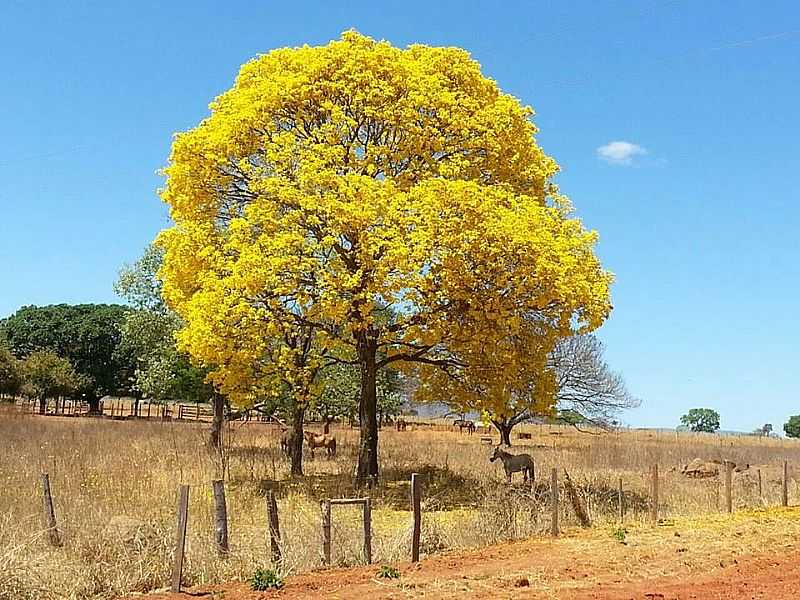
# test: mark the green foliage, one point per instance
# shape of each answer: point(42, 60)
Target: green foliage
point(340, 386)
point(388, 572)
point(266, 579)
point(701, 419)
point(620, 534)
point(10, 371)
point(47, 375)
point(86, 335)
point(792, 426)
point(138, 283)
point(569, 417)
point(160, 373)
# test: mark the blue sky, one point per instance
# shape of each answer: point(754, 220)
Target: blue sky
point(697, 207)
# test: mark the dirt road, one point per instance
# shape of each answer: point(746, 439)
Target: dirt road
point(748, 556)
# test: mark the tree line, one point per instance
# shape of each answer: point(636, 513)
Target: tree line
point(707, 420)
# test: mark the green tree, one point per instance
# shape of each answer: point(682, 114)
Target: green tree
point(10, 371)
point(792, 427)
point(340, 389)
point(46, 375)
point(701, 419)
point(86, 335)
point(160, 372)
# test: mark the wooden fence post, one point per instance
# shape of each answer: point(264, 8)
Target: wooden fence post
point(728, 486)
point(785, 490)
point(326, 532)
point(554, 502)
point(621, 502)
point(220, 517)
point(274, 528)
point(760, 491)
point(416, 508)
point(49, 512)
point(368, 531)
point(180, 537)
point(654, 500)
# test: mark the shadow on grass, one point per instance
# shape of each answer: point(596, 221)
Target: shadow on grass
point(443, 489)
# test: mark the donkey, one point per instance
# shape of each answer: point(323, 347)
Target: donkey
point(513, 463)
point(316, 440)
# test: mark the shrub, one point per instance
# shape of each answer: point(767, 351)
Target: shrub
point(388, 572)
point(266, 579)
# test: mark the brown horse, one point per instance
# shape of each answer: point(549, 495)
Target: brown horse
point(286, 442)
point(320, 440)
point(463, 424)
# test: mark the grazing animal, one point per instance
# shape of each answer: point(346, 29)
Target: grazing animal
point(463, 424)
point(286, 442)
point(317, 440)
point(514, 463)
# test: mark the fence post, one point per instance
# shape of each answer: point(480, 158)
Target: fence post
point(368, 530)
point(220, 517)
point(416, 507)
point(180, 537)
point(785, 490)
point(728, 486)
point(274, 528)
point(554, 502)
point(760, 493)
point(621, 502)
point(49, 512)
point(326, 532)
point(654, 501)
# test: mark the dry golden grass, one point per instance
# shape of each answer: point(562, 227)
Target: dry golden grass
point(102, 470)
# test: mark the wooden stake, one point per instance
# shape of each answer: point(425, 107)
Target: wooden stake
point(274, 528)
point(416, 508)
point(760, 492)
point(49, 512)
point(220, 517)
point(572, 493)
point(785, 490)
point(654, 500)
point(368, 531)
point(621, 502)
point(180, 537)
point(554, 502)
point(326, 532)
point(728, 486)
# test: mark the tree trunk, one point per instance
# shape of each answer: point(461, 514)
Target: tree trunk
point(94, 404)
point(326, 427)
point(504, 427)
point(367, 472)
point(296, 440)
point(42, 405)
point(215, 434)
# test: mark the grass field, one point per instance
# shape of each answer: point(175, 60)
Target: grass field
point(115, 484)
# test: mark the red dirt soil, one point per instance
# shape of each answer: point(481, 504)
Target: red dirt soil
point(566, 569)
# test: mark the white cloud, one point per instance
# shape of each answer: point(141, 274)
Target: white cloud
point(620, 153)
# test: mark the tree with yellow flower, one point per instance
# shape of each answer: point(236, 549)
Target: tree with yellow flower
point(333, 184)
